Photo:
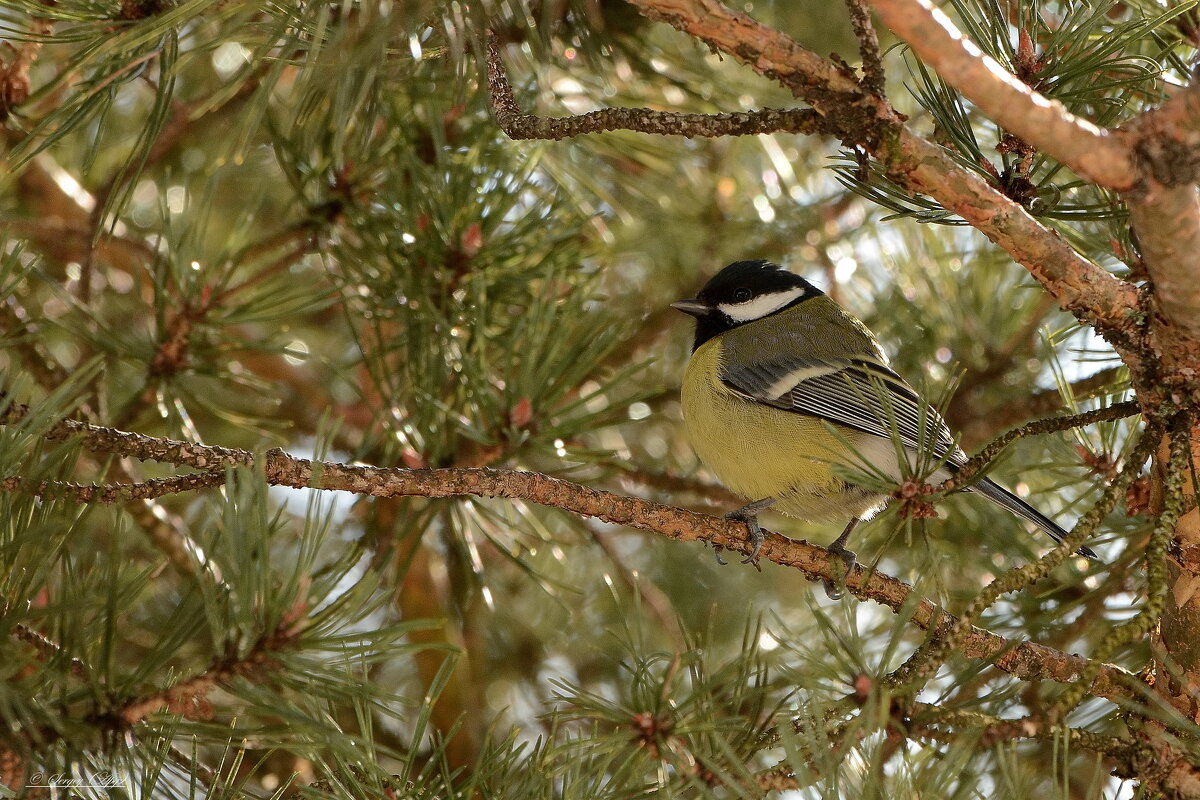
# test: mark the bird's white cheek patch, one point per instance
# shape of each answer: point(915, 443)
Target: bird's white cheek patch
point(760, 306)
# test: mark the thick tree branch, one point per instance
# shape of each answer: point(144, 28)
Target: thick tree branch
point(1167, 223)
point(1165, 210)
point(763, 49)
point(1167, 139)
point(1023, 660)
point(1101, 157)
point(1154, 161)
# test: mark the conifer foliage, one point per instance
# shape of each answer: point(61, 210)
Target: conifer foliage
point(340, 448)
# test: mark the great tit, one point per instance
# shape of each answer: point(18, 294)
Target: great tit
point(783, 384)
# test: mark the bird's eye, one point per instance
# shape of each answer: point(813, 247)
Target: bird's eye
point(742, 295)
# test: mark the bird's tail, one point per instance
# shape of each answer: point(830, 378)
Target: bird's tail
point(1003, 497)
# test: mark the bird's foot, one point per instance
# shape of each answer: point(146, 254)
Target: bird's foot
point(748, 514)
point(849, 560)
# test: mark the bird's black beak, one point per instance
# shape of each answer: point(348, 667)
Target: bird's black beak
point(691, 306)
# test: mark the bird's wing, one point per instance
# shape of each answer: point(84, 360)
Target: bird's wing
point(863, 394)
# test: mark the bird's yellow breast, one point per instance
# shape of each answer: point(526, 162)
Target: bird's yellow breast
point(755, 450)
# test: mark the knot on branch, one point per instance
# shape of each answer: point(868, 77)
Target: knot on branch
point(1168, 160)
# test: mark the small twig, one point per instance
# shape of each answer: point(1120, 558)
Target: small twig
point(995, 729)
point(280, 265)
point(1036, 428)
point(114, 492)
point(163, 529)
point(874, 80)
point(519, 125)
point(47, 648)
point(918, 721)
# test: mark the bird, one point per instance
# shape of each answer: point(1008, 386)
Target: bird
point(783, 384)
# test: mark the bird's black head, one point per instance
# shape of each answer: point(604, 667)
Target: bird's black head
point(743, 292)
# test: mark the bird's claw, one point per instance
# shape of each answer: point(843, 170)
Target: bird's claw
point(748, 515)
point(756, 541)
point(849, 560)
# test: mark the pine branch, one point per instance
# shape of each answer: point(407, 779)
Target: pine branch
point(1023, 660)
point(163, 530)
point(1094, 295)
point(1174, 773)
point(1179, 470)
point(519, 125)
point(187, 697)
point(1091, 151)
